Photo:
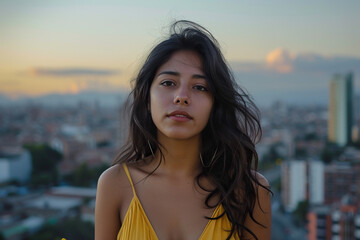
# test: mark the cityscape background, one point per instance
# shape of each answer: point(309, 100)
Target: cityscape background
point(65, 71)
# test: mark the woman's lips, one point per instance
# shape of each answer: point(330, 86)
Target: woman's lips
point(180, 116)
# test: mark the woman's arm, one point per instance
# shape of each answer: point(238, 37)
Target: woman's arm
point(261, 213)
point(107, 218)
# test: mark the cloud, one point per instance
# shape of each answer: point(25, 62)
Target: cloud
point(314, 63)
point(280, 60)
point(285, 62)
point(72, 72)
point(295, 78)
point(99, 85)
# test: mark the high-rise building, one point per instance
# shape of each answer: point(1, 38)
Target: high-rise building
point(341, 112)
point(302, 180)
point(293, 182)
point(316, 184)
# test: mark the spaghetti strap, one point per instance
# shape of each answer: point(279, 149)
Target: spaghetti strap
point(129, 177)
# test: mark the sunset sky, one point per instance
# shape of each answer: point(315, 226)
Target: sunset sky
point(72, 46)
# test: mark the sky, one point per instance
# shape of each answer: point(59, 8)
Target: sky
point(278, 50)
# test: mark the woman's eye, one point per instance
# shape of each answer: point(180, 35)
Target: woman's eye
point(201, 88)
point(167, 83)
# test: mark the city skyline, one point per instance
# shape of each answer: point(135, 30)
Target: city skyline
point(277, 50)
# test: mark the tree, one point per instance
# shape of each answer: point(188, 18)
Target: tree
point(271, 157)
point(301, 211)
point(84, 176)
point(300, 152)
point(81, 176)
point(44, 161)
point(331, 152)
point(311, 136)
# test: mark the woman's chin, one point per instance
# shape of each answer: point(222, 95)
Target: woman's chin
point(179, 135)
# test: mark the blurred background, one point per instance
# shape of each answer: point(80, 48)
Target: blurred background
point(65, 72)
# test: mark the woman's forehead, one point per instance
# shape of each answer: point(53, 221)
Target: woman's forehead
point(183, 60)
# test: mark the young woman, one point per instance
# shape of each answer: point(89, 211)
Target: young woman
point(188, 170)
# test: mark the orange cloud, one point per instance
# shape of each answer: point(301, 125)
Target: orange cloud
point(74, 88)
point(280, 60)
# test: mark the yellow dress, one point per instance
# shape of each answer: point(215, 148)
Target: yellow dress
point(136, 224)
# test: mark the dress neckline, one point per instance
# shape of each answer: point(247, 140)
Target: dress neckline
point(136, 200)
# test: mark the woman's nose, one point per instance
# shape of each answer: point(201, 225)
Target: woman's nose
point(182, 96)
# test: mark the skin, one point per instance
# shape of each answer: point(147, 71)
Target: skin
point(173, 202)
point(180, 85)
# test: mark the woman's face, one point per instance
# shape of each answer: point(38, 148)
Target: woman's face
point(180, 100)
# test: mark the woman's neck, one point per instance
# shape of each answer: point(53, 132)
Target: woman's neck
point(181, 157)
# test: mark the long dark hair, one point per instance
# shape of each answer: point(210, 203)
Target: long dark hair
point(228, 141)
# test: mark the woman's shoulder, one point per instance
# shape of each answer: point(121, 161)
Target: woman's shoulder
point(114, 181)
point(260, 178)
point(112, 175)
point(260, 221)
point(113, 191)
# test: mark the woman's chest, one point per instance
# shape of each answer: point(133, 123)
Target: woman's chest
point(175, 210)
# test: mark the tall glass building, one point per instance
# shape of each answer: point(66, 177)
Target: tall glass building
point(341, 110)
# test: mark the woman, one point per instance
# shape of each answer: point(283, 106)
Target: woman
point(187, 171)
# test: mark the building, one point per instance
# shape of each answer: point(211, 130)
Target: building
point(293, 182)
point(319, 223)
point(339, 221)
point(302, 180)
point(23, 215)
point(316, 184)
point(341, 111)
point(341, 178)
point(339, 217)
point(15, 164)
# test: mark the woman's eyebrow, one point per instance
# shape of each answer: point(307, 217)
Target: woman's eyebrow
point(199, 76)
point(178, 74)
point(169, 73)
